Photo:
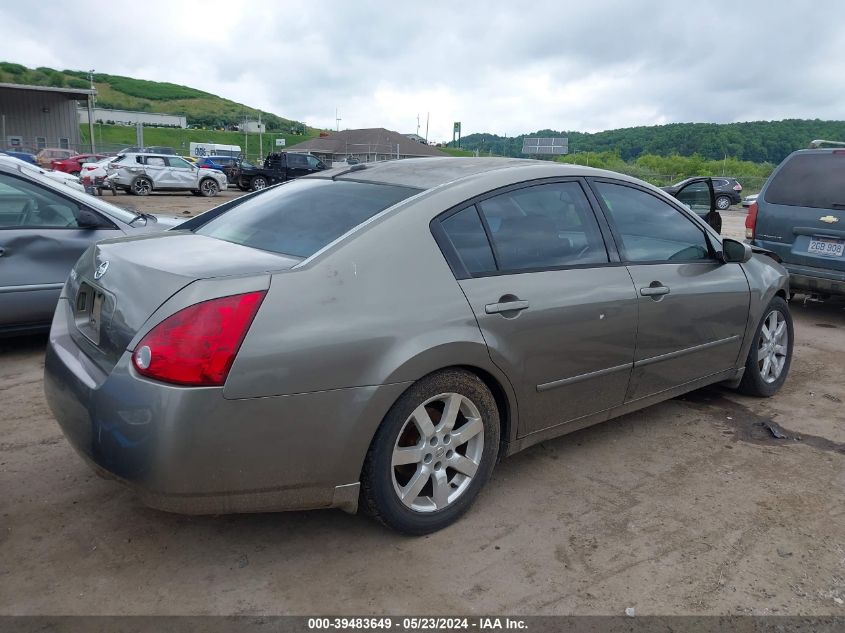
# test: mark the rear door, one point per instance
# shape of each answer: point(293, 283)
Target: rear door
point(297, 165)
point(40, 240)
point(557, 312)
point(693, 308)
point(801, 210)
point(158, 171)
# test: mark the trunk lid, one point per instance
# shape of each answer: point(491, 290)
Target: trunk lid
point(118, 284)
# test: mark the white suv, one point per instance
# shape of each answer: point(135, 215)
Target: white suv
point(140, 174)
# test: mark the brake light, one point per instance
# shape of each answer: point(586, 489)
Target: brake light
point(751, 221)
point(197, 345)
point(737, 187)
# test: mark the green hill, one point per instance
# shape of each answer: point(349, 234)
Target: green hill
point(755, 141)
point(125, 93)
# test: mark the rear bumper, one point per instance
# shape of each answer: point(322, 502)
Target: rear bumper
point(190, 450)
point(815, 280)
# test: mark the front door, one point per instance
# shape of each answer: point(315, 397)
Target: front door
point(182, 174)
point(558, 317)
point(40, 241)
point(692, 307)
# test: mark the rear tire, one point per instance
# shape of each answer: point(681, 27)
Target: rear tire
point(141, 186)
point(258, 183)
point(425, 468)
point(723, 202)
point(770, 356)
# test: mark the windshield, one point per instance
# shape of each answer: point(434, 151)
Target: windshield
point(303, 216)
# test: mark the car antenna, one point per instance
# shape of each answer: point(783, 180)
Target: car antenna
point(358, 167)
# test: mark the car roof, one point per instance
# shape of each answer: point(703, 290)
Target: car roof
point(428, 173)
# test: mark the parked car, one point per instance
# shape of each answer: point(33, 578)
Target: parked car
point(44, 228)
point(747, 201)
point(278, 167)
point(142, 174)
point(800, 215)
point(46, 156)
point(389, 332)
point(93, 175)
point(24, 156)
point(57, 176)
point(727, 190)
point(226, 164)
point(73, 165)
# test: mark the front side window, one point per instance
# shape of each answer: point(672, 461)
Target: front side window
point(651, 230)
point(181, 163)
point(544, 226)
point(313, 162)
point(303, 216)
point(26, 205)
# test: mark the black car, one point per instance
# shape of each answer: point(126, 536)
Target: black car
point(726, 190)
point(278, 167)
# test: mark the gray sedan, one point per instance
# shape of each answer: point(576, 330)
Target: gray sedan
point(379, 336)
point(44, 228)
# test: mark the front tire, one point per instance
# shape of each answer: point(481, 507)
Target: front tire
point(209, 188)
point(258, 183)
point(432, 454)
point(770, 355)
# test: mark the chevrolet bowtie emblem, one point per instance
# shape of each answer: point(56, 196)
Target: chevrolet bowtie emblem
point(830, 219)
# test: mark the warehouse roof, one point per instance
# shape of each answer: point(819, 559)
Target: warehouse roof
point(367, 140)
point(71, 93)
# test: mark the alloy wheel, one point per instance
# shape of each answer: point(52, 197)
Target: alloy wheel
point(772, 346)
point(142, 187)
point(438, 452)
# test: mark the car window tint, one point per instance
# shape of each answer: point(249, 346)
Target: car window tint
point(155, 161)
point(810, 180)
point(544, 226)
point(301, 217)
point(297, 160)
point(467, 235)
point(652, 230)
point(26, 205)
point(312, 161)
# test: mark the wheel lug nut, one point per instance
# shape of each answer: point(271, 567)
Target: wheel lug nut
point(433, 441)
point(427, 458)
point(447, 438)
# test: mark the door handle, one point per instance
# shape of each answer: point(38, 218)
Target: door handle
point(654, 291)
point(506, 306)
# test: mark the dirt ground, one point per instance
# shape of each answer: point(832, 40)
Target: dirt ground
point(176, 203)
point(688, 507)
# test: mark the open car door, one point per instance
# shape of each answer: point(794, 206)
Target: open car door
point(698, 195)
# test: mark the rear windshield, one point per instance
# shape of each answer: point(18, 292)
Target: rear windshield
point(810, 180)
point(301, 217)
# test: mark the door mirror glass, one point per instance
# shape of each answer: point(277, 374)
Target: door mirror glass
point(734, 252)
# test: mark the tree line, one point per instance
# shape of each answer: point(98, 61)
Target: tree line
point(754, 141)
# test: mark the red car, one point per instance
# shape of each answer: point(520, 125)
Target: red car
point(73, 165)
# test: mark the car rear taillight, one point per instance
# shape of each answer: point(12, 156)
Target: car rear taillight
point(737, 187)
point(197, 345)
point(751, 221)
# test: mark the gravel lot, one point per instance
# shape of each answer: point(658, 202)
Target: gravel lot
point(690, 506)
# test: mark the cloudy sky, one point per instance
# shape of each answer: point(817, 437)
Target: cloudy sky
point(501, 67)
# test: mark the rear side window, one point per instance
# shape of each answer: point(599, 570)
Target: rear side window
point(544, 226)
point(810, 180)
point(467, 235)
point(303, 216)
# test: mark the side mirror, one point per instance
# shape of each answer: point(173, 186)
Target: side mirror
point(734, 252)
point(87, 219)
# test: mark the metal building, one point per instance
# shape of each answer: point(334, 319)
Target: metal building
point(35, 117)
point(131, 117)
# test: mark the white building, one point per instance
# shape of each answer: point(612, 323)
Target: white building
point(129, 117)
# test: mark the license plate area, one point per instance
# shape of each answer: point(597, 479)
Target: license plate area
point(826, 246)
point(88, 312)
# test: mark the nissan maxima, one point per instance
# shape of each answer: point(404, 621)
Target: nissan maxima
point(378, 336)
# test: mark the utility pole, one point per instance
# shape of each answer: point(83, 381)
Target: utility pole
point(418, 123)
point(426, 127)
point(91, 110)
point(260, 138)
point(337, 119)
